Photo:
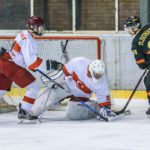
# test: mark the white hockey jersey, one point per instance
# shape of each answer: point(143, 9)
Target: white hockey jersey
point(80, 83)
point(25, 50)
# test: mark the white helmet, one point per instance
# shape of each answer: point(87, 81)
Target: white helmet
point(97, 69)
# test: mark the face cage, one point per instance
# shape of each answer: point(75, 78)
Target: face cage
point(133, 27)
point(97, 75)
point(38, 30)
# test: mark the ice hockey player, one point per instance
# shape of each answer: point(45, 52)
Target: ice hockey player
point(140, 48)
point(16, 63)
point(83, 77)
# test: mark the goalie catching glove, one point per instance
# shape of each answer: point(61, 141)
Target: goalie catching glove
point(53, 65)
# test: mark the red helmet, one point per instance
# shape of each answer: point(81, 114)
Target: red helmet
point(36, 24)
point(35, 21)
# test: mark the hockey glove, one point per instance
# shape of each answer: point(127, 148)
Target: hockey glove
point(2, 51)
point(54, 65)
point(144, 65)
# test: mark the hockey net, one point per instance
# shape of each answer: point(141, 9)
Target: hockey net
point(52, 47)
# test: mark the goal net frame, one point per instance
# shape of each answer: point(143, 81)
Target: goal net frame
point(11, 97)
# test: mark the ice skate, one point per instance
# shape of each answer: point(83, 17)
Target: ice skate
point(148, 112)
point(108, 113)
point(26, 118)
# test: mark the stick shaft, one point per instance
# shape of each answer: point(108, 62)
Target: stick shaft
point(133, 92)
point(93, 110)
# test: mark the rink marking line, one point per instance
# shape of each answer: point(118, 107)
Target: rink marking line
point(124, 94)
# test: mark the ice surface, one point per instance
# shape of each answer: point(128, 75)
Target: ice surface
point(57, 133)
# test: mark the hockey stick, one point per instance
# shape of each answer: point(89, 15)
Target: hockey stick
point(5, 50)
point(64, 46)
point(42, 73)
point(64, 51)
point(124, 108)
point(94, 111)
point(41, 116)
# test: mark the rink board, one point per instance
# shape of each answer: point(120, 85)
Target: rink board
point(114, 93)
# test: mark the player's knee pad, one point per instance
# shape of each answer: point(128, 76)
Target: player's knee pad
point(32, 89)
point(76, 111)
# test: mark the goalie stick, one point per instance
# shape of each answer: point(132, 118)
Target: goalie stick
point(94, 111)
point(99, 115)
point(133, 92)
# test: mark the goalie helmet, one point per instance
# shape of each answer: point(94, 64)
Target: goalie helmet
point(132, 22)
point(97, 69)
point(36, 24)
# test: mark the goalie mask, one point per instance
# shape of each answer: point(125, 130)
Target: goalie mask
point(36, 24)
point(97, 69)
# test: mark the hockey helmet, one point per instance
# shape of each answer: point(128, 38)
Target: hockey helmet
point(132, 22)
point(36, 24)
point(97, 69)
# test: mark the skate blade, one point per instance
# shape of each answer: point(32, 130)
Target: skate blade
point(26, 121)
point(118, 117)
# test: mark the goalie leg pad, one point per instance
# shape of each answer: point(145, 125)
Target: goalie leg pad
point(50, 98)
point(76, 111)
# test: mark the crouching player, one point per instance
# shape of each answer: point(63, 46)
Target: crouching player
point(82, 78)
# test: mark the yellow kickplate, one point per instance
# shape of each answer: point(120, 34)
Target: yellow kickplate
point(124, 94)
point(16, 92)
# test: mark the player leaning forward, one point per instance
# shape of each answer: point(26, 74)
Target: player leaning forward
point(14, 65)
point(82, 78)
point(140, 48)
